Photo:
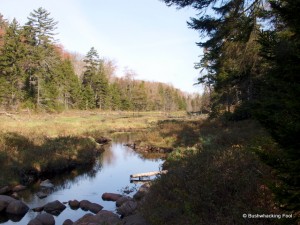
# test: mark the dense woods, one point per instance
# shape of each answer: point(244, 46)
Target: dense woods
point(250, 67)
point(37, 73)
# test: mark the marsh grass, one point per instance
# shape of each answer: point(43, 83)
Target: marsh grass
point(25, 158)
point(214, 181)
point(34, 144)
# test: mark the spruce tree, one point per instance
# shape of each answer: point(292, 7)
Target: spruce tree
point(40, 35)
point(11, 66)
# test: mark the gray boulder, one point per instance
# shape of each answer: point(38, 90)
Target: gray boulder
point(17, 207)
point(127, 208)
point(143, 190)
point(74, 204)
point(54, 208)
point(42, 219)
point(102, 218)
point(87, 205)
point(122, 200)
point(46, 219)
point(34, 222)
point(4, 201)
point(68, 222)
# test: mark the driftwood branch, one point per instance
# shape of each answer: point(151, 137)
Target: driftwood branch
point(148, 174)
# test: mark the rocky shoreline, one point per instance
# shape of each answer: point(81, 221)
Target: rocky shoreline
point(127, 209)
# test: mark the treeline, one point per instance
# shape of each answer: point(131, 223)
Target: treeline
point(37, 73)
point(251, 68)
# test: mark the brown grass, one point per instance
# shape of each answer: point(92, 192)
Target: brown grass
point(216, 180)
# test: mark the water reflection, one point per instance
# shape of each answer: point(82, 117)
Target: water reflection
point(110, 173)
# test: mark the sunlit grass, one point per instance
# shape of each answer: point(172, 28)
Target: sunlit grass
point(80, 122)
point(51, 142)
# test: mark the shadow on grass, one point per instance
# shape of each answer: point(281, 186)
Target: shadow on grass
point(27, 158)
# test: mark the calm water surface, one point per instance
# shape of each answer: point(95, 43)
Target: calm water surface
point(110, 174)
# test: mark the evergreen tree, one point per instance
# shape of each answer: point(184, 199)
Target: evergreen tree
point(11, 68)
point(101, 88)
point(40, 36)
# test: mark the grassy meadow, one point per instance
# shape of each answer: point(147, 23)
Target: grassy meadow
point(36, 144)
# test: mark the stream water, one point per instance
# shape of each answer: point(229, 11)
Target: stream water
point(111, 173)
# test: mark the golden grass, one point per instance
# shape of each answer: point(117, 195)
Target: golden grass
point(81, 122)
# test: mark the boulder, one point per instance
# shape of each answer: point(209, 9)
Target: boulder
point(143, 190)
point(122, 200)
point(68, 222)
point(4, 201)
point(135, 219)
point(34, 222)
point(74, 204)
point(111, 197)
point(4, 190)
point(127, 208)
point(54, 208)
point(101, 218)
point(17, 207)
point(41, 194)
point(46, 219)
point(95, 208)
point(87, 205)
point(84, 220)
point(46, 184)
point(19, 188)
point(84, 204)
point(107, 217)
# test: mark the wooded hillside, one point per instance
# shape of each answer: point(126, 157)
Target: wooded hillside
point(37, 73)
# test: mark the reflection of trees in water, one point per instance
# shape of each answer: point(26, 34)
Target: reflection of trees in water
point(63, 181)
point(108, 157)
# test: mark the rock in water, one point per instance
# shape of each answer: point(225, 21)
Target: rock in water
point(17, 208)
point(68, 222)
point(41, 195)
point(127, 208)
point(54, 208)
point(46, 184)
point(111, 197)
point(46, 219)
point(93, 207)
point(4, 201)
point(74, 204)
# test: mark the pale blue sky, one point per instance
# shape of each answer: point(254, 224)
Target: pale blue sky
point(144, 35)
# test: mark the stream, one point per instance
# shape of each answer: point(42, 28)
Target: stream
point(111, 173)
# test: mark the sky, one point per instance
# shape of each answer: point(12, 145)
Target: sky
point(145, 36)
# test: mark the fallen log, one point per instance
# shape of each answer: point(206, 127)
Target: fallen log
point(148, 174)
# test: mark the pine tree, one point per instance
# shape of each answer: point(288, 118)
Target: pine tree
point(40, 37)
point(11, 68)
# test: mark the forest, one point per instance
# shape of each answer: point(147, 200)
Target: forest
point(251, 68)
point(36, 73)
